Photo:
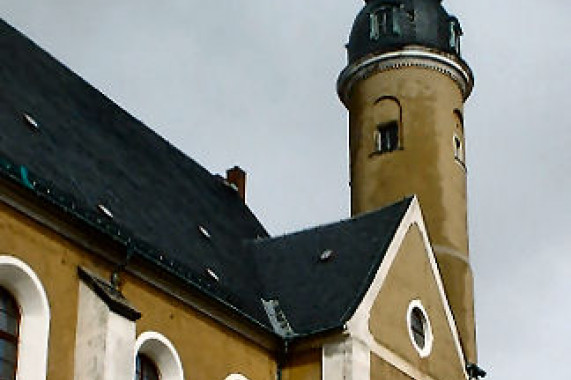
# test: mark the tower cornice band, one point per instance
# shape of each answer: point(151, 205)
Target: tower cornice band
point(414, 56)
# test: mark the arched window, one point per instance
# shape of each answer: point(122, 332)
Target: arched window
point(236, 376)
point(387, 115)
point(9, 335)
point(156, 356)
point(146, 369)
point(25, 290)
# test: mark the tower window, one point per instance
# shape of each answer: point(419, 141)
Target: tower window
point(457, 140)
point(458, 149)
point(386, 137)
point(384, 22)
point(9, 335)
point(455, 33)
point(146, 369)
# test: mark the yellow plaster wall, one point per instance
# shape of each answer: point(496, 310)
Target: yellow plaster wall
point(411, 278)
point(208, 350)
point(55, 262)
point(424, 165)
point(304, 366)
point(381, 370)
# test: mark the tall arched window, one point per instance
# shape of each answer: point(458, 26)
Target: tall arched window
point(9, 335)
point(386, 126)
point(156, 358)
point(146, 369)
point(19, 281)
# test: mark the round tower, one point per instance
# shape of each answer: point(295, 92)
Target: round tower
point(404, 87)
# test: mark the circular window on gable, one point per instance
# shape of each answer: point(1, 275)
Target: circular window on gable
point(419, 328)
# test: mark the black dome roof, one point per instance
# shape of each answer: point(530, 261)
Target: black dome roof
point(386, 25)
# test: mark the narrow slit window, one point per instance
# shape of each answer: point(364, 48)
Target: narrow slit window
point(455, 33)
point(375, 29)
point(386, 137)
point(458, 149)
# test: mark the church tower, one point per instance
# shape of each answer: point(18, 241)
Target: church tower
point(404, 87)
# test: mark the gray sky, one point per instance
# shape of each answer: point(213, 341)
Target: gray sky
point(252, 82)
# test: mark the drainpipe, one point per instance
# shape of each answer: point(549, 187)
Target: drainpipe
point(282, 357)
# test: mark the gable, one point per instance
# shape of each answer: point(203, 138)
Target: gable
point(318, 276)
point(379, 342)
point(411, 278)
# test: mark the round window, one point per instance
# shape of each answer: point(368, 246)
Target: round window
point(419, 328)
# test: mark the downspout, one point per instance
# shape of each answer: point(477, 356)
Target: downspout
point(115, 277)
point(282, 358)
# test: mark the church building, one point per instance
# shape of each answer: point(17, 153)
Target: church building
point(122, 258)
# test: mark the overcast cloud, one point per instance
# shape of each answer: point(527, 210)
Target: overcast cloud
point(252, 82)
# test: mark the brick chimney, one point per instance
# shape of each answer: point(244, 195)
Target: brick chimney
point(236, 177)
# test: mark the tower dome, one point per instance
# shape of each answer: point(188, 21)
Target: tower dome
point(388, 25)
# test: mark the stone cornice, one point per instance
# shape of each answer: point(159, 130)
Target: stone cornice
point(446, 64)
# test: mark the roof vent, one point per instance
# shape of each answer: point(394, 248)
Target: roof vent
point(204, 232)
point(212, 274)
point(32, 123)
point(104, 210)
point(326, 255)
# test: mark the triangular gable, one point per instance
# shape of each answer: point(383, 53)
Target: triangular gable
point(407, 277)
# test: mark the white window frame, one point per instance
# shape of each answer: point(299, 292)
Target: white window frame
point(162, 352)
point(23, 283)
point(428, 338)
point(235, 376)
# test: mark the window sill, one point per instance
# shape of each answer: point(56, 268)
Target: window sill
point(379, 153)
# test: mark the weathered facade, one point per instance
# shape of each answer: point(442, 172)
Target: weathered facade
point(121, 270)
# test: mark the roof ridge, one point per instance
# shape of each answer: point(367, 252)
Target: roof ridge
point(326, 225)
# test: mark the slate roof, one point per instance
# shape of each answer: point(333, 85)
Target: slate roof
point(318, 294)
point(86, 151)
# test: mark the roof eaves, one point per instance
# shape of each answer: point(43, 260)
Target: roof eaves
point(46, 192)
point(338, 325)
point(374, 268)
